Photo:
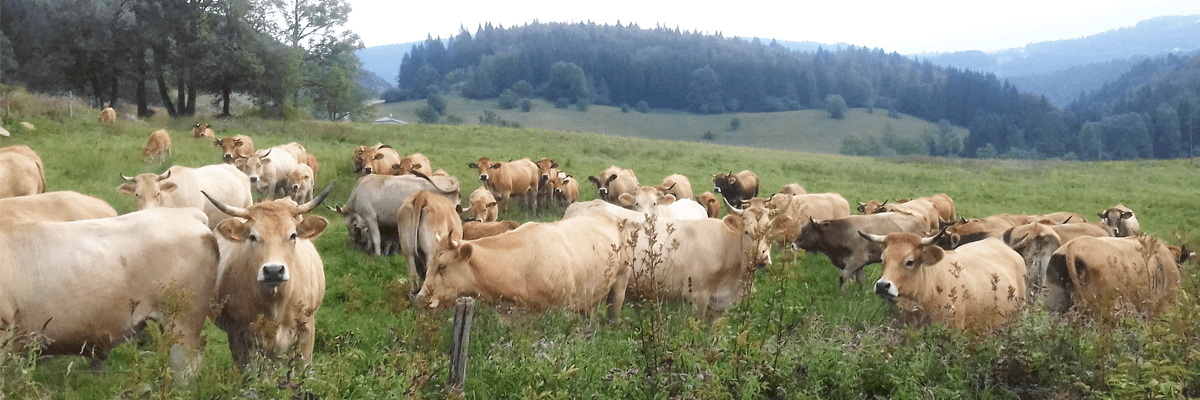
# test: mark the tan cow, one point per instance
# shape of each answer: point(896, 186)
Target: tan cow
point(482, 206)
point(422, 220)
point(21, 172)
point(793, 189)
point(935, 209)
point(791, 212)
point(82, 287)
point(1037, 241)
point(357, 158)
point(1106, 274)
point(158, 145)
point(676, 185)
point(1120, 218)
point(508, 179)
point(566, 189)
point(969, 230)
point(415, 163)
point(108, 114)
point(975, 287)
point(613, 182)
point(201, 130)
point(300, 183)
point(271, 278)
point(382, 160)
point(736, 188)
point(53, 207)
point(648, 200)
point(375, 200)
point(547, 171)
point(236, 147)
point(477, 230)
point(567, 264)
point(180, 187)
point(268, 169)
point(710, 203)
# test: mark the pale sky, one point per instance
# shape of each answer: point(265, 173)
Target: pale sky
point(908, 27)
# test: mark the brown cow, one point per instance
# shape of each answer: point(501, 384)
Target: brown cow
point(791, 212)
point(53, 207)
point(414, 164)
point(1099, 275)
point(423, 219)
point(108, 114)
point(736, 188)
point(508, 179)
point(236, 147)
point(710, 203)
point(357, 158)
point(271, 278)
point(158, 145)
point(977, 286)
point(477, 230)
point(568, 264)
point(676, 185)
point(21, 172)
point(382, 160)
point(83, 287)
point(482, 206)
point(839, 239)
point(1121, 218)
point(201, 130)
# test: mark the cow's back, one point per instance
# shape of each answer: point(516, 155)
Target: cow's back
point(20, 175)
point(982, 282)
point(53, 206)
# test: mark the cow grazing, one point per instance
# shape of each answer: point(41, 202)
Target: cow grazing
point(935, 209)
point(793, 189)
point(414, 164)
point(1120, 218)
point(477, 230)
point(565, 264)
point(382, 160)
point(53, 207)
point(21, 172)
point(268, 169)
point(158, 145)
point(181, 186)
point(839, 239)
point(236, 147)
point(791, 212)
point(649, 200)
point(710, 203)
point(271, 278)
point(358, 158)
point(1103, 274)
point(422, 220)
point(676, 185)
point(82, 287)
point(374, 202)
point(482, 206)
point(508, 179)
point(736, 188)
point(300, 183)
point(977, 286)
point(201, 130)
point(613, 182)
point(566, 189)
point(1037, 241)
point(108, 114)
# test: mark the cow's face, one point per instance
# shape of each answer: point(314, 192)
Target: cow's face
point(450, 275)
point(547, 169)
point(905, 255)
point(486, 168)
point(299, 177)
point(254, 166)
point(645, 199)
point(754, 224)
point(149, 189)
point(270, 233)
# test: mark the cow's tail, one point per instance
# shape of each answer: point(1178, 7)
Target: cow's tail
point(435, 185)
point(42, 172)
point(419, 255)
point(1072, 269)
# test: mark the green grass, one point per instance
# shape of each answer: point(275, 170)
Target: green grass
point(794, 336)
point(807, 130)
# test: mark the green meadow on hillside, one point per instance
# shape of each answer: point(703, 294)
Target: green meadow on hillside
point(810, 131)
point(796, 335)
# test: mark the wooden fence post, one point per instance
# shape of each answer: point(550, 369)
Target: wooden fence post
point(464, 311)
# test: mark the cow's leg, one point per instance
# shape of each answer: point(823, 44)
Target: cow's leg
point(616, 294)
point(373, 232)
point(413, 277)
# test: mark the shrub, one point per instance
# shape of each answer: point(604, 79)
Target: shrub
point(562, 103)
point(437, 104)
point(642, 107)
point(526, 105)
point(427, 115)
point(625, 108)
point(508, 100)
point(581, 105)
point(709, 135)
point(735, 124)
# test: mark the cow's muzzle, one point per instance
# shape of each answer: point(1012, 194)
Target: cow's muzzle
point(253, 179)
point(483, 177)
point(273, 274)
point(228, 158)
point(886, 290)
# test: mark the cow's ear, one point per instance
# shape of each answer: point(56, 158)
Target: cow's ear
point(415, 167)
point(311, 227)
point(495, 166)
point(733, 222)
point(463, 252)
point(217, 143)
point(732, 180)
point(473, 165)
point(127, 188)
point(168, 187)
point(233, 229)
point(553, 165)
point(490, 205)
point(397, 167)
point(1102, 214)
point(666, 200)
point(1126, 214)
point(264, 161)
point(237, 143)
point(594, 180)
point(378, 156)
point(931, 255)
point(625, 199)
point(240, 163)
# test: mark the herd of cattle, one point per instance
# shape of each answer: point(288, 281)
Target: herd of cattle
point(252, 267)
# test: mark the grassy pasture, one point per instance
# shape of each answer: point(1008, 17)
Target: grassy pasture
point(794, 336)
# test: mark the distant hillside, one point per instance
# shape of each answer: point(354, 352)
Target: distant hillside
point(384, 60)
point(1038, 67)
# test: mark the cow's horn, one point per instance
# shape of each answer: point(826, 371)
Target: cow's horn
point(732, 209)
point(311, 204)
point(231, 210)
point(873, 237)
point(930, 240)
point(672, 186)
point(126, 178)
point(884, 203)
point(165, 176)
point(1067, 220)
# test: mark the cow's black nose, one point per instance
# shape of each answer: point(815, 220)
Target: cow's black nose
point(253, 179)
point(273, 274)
point(883, 288)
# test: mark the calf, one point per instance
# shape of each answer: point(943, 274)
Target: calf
point(158, 145)
point(414, 164)
point(482, 206)
point(236, 147)
point(268, 169)
point(710, 203)
point(839, 239)
point(108, 114)
point(201, 130)
point(358, 158)
point(566, 189)
point(791, 212)
point(383, 160)
point(676, 185)
point(613, 182)
point(300, 183)
point(374, 202)
point(793, 189)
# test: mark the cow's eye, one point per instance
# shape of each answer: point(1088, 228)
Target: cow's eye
point(293, 236)
point(908, 263)
point(253, 237)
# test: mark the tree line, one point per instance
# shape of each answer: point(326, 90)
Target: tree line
point(288, 55)
point(708, 73)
